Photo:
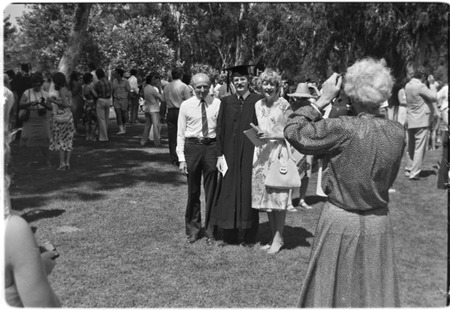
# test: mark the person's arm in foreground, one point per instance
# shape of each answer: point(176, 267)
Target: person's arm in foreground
point(23, 257)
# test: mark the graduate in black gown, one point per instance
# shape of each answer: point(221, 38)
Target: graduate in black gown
point(232, 211)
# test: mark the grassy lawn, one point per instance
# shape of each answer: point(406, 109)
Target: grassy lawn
point(117, 218)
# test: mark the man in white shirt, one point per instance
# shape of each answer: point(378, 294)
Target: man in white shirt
point(197, 154)
point(134, 97)
point(174, 94)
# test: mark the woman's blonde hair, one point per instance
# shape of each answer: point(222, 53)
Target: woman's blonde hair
point(369, 82)
point(269, 75)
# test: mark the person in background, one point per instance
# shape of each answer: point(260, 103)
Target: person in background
point(220, 79)
point(103, 90)
point(420, 113)
point(196, 149)
point(93, 69)
point(272, 113)
point(22, 83)
point(120, 91)
point(187, 80)
point(133, 107)
point(152, 99)
point(89, 110)
point(47, 82)
point(61, 139)
point(352, 257)
point(232, 209)
point(174, 94)
point(300, 98)
point(402, 107)
point(443, 173)
point(9, 100)
point(77, 101)
point(36, 129)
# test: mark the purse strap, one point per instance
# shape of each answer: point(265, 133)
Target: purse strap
point(289, 152)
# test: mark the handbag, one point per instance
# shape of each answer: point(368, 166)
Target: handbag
point(283, 173)
point(63, 116)
point(24, 115)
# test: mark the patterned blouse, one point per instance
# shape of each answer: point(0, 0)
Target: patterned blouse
point(363, 152)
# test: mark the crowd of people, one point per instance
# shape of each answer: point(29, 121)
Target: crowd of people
point(253, 141)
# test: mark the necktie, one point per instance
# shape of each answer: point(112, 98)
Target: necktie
point(204, 120)
point(241, 100)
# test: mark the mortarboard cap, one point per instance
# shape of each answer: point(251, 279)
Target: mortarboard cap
point(240, 69)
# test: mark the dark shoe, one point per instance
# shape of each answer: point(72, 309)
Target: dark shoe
point(192, 239)
point(248, 245)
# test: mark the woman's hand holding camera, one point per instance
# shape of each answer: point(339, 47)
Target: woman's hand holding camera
point(330, 89)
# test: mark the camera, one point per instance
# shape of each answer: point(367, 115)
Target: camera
point(342, 105)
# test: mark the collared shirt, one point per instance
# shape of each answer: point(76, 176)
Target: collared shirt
point(245, 95)
point(190, 121)
point(103, 88)
point(175, 93)
point(133, 84)
point(121, 88)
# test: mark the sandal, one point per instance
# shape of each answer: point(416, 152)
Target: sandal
point(304, 205)
point(291, 208)
point(61, 167)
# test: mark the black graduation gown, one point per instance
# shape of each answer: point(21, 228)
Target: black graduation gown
point(232, 205)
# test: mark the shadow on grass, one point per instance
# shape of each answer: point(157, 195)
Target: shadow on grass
point(427, 173)
point(38, 214)
point(311, 200)
point(96, 167)
point(293, 236)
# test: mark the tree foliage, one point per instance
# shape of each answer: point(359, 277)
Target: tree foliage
point(299, 39)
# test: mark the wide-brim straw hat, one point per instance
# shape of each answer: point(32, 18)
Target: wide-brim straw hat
point(302, 91)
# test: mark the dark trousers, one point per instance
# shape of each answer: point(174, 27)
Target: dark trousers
point(172, 127)
point(133, 108)
point(201, 161)
point(443, 169)
point(249, 234)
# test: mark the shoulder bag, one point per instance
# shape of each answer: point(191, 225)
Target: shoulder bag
point(283, 173)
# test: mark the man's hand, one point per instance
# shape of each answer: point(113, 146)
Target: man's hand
point(183, 167)
point(220, 163)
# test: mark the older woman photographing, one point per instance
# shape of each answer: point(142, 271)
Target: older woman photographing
point(352, 258)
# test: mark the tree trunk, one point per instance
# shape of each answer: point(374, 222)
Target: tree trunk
point(77, 33)
point(238, 55)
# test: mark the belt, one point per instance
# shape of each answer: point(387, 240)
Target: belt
point(173, 108)
point(205, 141)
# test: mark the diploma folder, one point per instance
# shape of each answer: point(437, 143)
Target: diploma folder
point(251, 134)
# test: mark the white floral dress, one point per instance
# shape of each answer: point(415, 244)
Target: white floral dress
point(272, 120)
point(62, 134)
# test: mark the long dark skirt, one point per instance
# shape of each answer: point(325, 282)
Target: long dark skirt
point(352, 261)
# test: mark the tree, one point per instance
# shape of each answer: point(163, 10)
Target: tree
point(73, 50)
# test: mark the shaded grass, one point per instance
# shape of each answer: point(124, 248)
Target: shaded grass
point(117, 218)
